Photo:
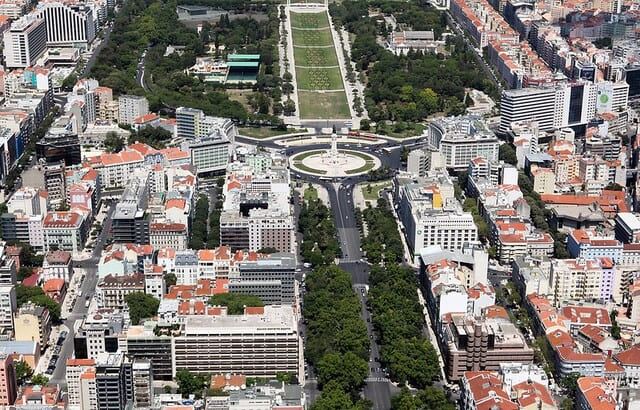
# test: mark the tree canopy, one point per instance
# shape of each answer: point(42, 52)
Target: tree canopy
point(191, 383)
point(36, 295)
point(383, 240)
point(235, 302)
point(430, 398)
point(320, 245)
point(141, 306)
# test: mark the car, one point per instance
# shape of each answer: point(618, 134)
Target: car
point(368, 320)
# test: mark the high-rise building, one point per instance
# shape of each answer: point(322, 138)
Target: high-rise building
point(67, 24)
point(208, 154)
point(59, 145)
point(25, 42)
point(8, 383)
point(132, 107)
point(76, 371)
point(140, 343)
point(191, 123)
point(114, 384)
point(33, 322)
point(130, 220)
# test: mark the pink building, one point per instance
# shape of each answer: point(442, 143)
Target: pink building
point(8, 383)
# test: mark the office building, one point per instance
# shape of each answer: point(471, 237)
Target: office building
point(141, 343)
point(191, 124)
point(627, 227)
point(25, 42)
point(132, 107)
point(33, 323)
point(479, 344)
point(271, 279)
point(130, 222)
point(98, 333)
point(461, 139)
point(208, 154)
point(68, 24)
point(260, 343)
point(114, 381)
point(59, 146)
point(8, 383)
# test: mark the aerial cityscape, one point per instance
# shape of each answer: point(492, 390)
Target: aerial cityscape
point(320, 205)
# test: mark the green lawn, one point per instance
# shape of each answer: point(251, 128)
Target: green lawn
point(309, 20)
point(305, 168)
point(315, 57)
point(265, 132)
point(370, 192)
point(312, 37)
point(310, 194)
point(319, 78)
point(369, 165)
point(317, 105)
point(300, 157)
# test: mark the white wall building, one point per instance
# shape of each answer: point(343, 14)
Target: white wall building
point(132, 107)
point(25, 42)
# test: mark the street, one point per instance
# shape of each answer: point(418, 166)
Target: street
point(90, 267)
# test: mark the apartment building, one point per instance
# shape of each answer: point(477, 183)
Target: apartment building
point(168, 235)
point(114, 381)
point(131, 107)
point(76, 371)
point(142, 344)
point(480, 344)
point(67, 230)
point(116, 169)
point(261, 343)
point(8, 383)
point(33, 323)
point(194, 124)
point(111, 291)
point(142, 378)
point(131, 221)
point(584, 279)
point(627, 227)
point(590, 244)
point(68, 25)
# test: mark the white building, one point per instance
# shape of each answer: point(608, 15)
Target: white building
point(68, 25)
point(132, 107)
point(191, 123)
point(168, 235)
point(25, 42)
point(261, 343)
point(461, 139)
point(65, 231)
point(76, 371)
point(8, 305)
point(28, 201)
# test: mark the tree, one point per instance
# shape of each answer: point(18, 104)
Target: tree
point(333, 398)
point(39, 380)
point(190, 383)
point(507, 154)
point(170, 280)
point(69, 82)
point(570, 382)
point(167, 389)
point(267, 250)
point(429, 398)
point(289, 107)
point(348, 370)
point(141, 306)
point(113, 143)
point(235, 302)
point(365, 124)
point(23, 370)
point(615, 327)
point(614, 187)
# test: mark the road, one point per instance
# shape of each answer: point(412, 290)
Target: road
point(91, 61)
point(90, 267)
point(140, 71)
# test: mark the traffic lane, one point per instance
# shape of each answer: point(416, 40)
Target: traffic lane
point(379, 392)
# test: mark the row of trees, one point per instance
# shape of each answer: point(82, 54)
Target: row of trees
point(337, 343)
point(199, 231)
point(398, 320)
point(383, 242)
point(320, 245)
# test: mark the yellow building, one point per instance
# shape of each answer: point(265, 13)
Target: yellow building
point(32, 323)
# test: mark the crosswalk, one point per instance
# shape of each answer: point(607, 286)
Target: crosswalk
point(376, 380)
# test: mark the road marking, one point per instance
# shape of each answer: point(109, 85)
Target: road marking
point(376, 380)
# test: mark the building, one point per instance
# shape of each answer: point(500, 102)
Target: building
point(99, 332)
point(66, 231)
point(114, 381)
point(59, 146)
point(76, 370)
point(261, 343)
point(142, 344)
point(132, 107)
point(627, 227)
point(8, 306)
point(8, 382)
point(130, 222)
point(142, 378)
point(596, 393)
point(532, 275)
point(25, 42)
point(484, 390)
point(168, 235)
point(57, 265)
point(33, 324)
point(208, 154)
point(193, 124)
point(68, 24)
point(583, 279)
point(111, 291)
point(40, 397)
point(271, 279)
point(588, 244)
point(461, 139)
point(480, 344)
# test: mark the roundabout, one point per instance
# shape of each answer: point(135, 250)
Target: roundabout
point(333, 162)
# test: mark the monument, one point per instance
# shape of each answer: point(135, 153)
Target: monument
point(332, 156)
